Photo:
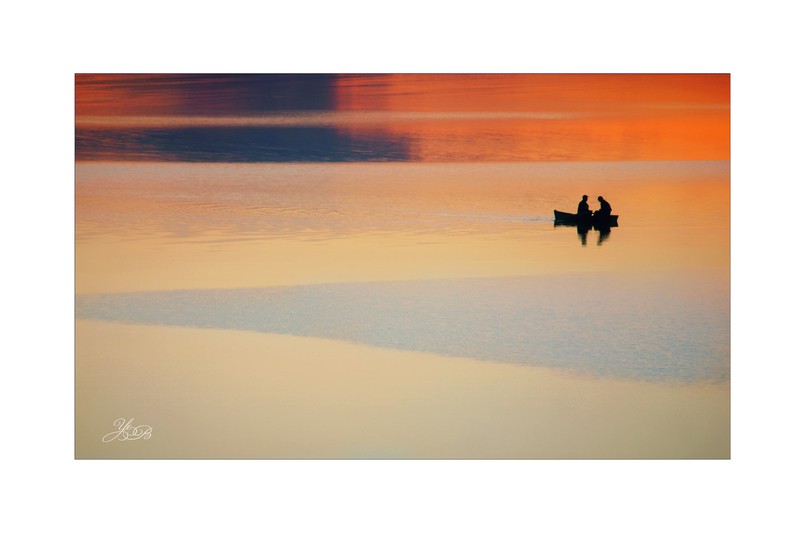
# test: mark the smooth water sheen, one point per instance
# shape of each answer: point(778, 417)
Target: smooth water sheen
point(648, 299)
point(381, 251)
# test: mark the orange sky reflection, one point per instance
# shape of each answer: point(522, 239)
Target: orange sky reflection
point(596, 117)
point(441, 117)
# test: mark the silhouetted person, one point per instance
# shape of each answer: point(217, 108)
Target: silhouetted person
point(605, 207)
point(583, 207)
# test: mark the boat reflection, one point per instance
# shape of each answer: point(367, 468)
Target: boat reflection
point(603, 229)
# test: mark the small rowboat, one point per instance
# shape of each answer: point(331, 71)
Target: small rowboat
point(589, 220)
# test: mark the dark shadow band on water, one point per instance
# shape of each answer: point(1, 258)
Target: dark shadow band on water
point(238, 144)
point(206, 94)
point(601, 325)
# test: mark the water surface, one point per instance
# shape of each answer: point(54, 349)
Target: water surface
point(457, 259)
point(275, 226)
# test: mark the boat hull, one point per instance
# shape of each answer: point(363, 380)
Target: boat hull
point(590, 220)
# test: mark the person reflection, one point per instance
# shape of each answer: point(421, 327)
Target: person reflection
point(583, 231)
point(605, 232)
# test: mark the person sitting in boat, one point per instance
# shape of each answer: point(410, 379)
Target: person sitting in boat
point(605, 207)
point(583, 207)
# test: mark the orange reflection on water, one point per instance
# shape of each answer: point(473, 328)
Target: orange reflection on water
point(120, 94)
point(585, 117)
point(150, 226)
point(530, 92)
point(511, 117)
point(698, 136)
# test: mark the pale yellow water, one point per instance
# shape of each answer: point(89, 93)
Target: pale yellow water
point(228, 394)
point(240, 390)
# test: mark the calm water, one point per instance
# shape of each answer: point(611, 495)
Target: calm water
point(402, 118)
point(481, 270)
point(415, 214)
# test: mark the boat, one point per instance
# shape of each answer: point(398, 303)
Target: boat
point(588, 220)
